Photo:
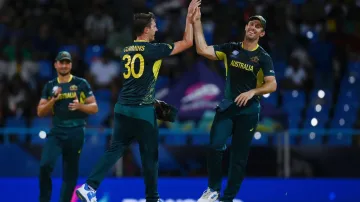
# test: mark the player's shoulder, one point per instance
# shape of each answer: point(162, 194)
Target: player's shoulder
point(263, 52)
point(160, 45)
point(79, 80)
point(51, 82)
point(232, 44)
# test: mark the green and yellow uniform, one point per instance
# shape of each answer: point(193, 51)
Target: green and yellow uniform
point(134, 113)
point(245, 70)
point(66, 137)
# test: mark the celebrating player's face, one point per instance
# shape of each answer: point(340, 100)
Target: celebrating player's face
point(152, 30)
point(63, 67)
point(254, 30)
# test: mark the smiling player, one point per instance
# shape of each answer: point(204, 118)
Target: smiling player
point(135, 116)
point(70, 99)
point(249, 74)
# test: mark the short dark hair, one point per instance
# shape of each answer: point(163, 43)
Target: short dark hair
point(142, 20)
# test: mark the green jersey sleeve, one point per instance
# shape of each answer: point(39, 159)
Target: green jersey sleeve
point(45, 92)
point(161, 50)
point(86, 88)
point(223, 49)
point(268, 66)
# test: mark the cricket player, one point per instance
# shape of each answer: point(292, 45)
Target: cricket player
point(135, 116)
point(249, 74)
point(71, 100)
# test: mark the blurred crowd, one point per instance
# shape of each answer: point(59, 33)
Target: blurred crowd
point(310, 41)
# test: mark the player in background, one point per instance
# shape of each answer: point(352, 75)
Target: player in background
point(249, 75)
point(70, 99)
point(135, 117)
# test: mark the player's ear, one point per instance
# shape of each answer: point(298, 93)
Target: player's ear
point(146, 30)
point(262, 33)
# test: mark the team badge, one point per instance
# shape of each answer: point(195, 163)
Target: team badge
point(255, 59)
point(235, 52)
point(73, 88)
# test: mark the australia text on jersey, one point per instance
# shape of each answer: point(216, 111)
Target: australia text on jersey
point(242, 65)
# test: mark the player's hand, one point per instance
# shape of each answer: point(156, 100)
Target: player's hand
point(243, 98)
point(192, 7)
point(75, 105)
point(197, 15)
point(56, 93)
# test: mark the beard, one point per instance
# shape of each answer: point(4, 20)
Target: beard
point(64, 73)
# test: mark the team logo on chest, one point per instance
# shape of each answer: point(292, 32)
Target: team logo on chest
point(255, 59)
point(235, 52)
point(73, 88)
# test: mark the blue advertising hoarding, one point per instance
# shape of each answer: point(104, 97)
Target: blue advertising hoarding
point(189, 189)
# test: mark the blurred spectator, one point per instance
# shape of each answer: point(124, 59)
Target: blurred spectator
point(302, 56)
point(104, 70)
point(78, 65)
point(2, 100)
point(3, 66)
point(98, 24)
point(26, 68)
point(18, 101)
point(14, 47)
point(295, 75)
point(119, 38)
point(44, 42)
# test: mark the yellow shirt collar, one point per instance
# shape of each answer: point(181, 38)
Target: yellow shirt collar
point(70, 78)
point(257, 46)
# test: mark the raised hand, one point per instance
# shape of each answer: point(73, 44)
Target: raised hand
point(192, 7)
point(197, 15)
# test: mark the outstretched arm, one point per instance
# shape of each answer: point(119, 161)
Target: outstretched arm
point(201, 47)
point(188, 37)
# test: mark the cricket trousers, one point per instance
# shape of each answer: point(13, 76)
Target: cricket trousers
point(67, 142)
point(127, 129)
point(241, 128)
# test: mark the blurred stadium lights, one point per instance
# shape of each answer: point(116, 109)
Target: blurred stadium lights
point(314, 122)
point(321, 94)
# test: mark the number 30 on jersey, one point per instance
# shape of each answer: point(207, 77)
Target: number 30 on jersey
point(130, 66)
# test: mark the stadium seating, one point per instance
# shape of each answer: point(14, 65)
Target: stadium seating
point(320, 96)
point(93, 52)
point(96, 120)
point(260, 139)
point(43, 122)
point(19, 159)
point(73, 49)
point(339, 139)
point(103, 94)
point(15, 122)
point(45, 70)
point(313, 138)
point(271, 98)
point(200, 139)
point(294, 99)
point(175, 139)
